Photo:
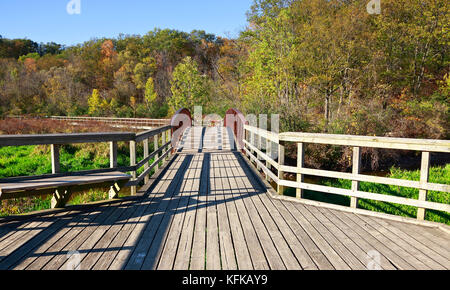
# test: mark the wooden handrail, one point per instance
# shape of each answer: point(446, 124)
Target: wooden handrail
point(160, 154)
point(61, 139)
point(368, 141)
point(255, 153)
point(111, 120)
point(148, 134)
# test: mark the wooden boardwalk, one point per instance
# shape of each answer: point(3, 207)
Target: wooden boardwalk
point(209, 211)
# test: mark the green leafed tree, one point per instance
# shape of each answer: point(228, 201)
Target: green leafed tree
point(150, 94)
point(142, 71)
point(94, 103)
point(189, 88)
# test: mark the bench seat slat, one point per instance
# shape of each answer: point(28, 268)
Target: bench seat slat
point(62, 181)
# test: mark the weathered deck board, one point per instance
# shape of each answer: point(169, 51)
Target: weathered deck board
point(386, 239)
point(198, 252)
point(426, 238)
point(132, 235)
point(319, 259)
point(182, 259)
point(212, 230)
point(227, 249)
point(174, 234)
point(408, 243)
point(349, 238)
point(59, 258)
point(209, 211)
point(51, 228)
point(260, 262)
point(277, 253)
point(397, 260)
point(150, 239)
point(242, 253)
point(336, 242)
point(331, 254)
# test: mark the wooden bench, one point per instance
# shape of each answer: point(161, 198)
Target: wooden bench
point(62, 186)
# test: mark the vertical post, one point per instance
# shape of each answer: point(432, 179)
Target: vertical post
point(113, 190)
point(113, 154)
point(424, 176)
point(56, 166)
point(133, 163)
point(156, 147)
point(146, 154)
point(280, 188)
point(60, 196)
point(300, 165)
point(252, 140)
point(356, 171)
point(259, 147)
point(169, 135)
point(163, 141)
point(245, 137)
point(268, 153)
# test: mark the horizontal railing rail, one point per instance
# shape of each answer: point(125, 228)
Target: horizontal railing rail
point(266, 161)
point(61, 139)
point(130, 121)
point(148, 134)
point(372, 142)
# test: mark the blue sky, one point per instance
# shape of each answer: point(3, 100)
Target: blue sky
point(48, 20)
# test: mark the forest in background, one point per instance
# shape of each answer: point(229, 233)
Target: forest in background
point(323, 65)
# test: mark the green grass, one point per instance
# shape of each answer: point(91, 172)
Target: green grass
point(35, 160)
point(439, 175)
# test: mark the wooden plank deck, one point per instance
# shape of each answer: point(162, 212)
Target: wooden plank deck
point(209, 211)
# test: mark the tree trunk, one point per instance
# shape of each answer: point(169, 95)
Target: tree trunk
point(327, 112)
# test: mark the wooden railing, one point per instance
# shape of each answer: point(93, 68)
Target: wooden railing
point(161, 138)
point(139, 122)
point(254, 150)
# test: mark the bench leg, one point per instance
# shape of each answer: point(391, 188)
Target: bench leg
point(115, 189)
point(60, 198)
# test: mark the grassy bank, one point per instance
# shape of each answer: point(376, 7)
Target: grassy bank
point(437, 175)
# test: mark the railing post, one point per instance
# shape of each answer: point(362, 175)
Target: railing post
point(114, 189)
point(156, 147)
point(163, 141)
point(280, 188)
point(60, 196)
point(268, 153)
point(252, 141)
point(56, 166)
point(133, 163)
point(169, 134)
point(146, 154)
point(300, 165)
point(356, 171)
point(113, 154)
point(259, 147)
point(424, 176)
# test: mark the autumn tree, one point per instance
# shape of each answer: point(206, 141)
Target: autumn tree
point(189, 88)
